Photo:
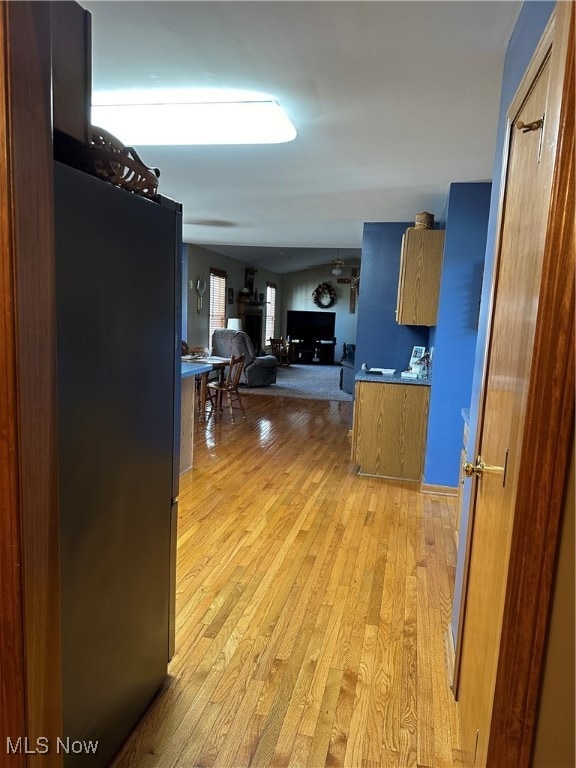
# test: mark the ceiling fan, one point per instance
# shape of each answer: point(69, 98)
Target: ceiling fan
point(338, 266)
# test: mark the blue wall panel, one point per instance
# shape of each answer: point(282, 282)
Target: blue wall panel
point(380, 341)
point(454, 339)
point(531, 23)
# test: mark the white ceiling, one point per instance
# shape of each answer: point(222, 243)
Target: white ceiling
point(392, 101)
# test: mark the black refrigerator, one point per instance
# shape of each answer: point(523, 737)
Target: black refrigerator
point(118, 267)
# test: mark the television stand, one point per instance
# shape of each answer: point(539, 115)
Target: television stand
point(313, 352)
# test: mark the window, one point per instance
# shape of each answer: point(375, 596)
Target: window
point(217, 316)
point(270, 310)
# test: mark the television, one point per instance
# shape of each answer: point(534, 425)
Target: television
point(307, 325)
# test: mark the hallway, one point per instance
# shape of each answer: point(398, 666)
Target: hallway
point(312, 606)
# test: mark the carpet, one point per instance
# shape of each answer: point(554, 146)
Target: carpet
point(310, 382)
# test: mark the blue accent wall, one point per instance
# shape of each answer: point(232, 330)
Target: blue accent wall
point(454, 338)
point(534, 16)
point(380, 341)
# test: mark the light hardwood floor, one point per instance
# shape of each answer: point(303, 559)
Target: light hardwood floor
point(311, 606)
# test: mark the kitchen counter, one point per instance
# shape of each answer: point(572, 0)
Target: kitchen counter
point(194, 369)
point(188, 371)
point(394, 379)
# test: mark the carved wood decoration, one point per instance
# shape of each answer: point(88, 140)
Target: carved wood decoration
point(108, 159)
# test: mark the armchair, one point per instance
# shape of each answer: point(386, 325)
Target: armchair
point(259, 371)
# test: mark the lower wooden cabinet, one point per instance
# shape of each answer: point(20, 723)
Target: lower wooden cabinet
point(389, 431)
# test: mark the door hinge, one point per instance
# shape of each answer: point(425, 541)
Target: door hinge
point(535, 125)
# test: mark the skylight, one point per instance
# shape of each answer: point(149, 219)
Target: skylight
point(191, 117)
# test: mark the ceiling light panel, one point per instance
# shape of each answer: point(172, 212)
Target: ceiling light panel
point(184, 118)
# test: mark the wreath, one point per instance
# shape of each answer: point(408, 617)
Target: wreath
point(324, 295)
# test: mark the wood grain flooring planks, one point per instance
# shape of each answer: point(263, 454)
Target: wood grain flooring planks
point(312, 606)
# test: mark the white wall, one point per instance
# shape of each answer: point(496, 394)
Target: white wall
point(297, 288)
point(198, 261)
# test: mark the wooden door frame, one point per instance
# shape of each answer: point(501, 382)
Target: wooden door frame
point(545, 455)
point(29, 564)
point(546, 446)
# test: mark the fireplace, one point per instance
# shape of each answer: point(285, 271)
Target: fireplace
point(253, 327)
point(252, 315)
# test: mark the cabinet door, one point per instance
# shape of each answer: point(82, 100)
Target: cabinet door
point(389, 430)
point(420, 271)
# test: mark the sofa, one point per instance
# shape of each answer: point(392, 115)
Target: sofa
point(259, 371)
point(348, 369)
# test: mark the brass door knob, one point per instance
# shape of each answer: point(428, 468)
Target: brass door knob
point(480, 467)
point(469, 469)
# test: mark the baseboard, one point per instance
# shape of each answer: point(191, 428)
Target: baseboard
point(450, 655)
point(390, 478)
point(438, 490)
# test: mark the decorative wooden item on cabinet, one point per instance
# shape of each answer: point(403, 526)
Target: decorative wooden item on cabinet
point(389, 430)
point(420, 271)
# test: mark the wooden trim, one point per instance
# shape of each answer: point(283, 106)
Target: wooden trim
point(439, 490)
point(412, 484)
point(545, 453)
point(29, 459)
point(450, 653)
point(537, 62)
point(12, 673)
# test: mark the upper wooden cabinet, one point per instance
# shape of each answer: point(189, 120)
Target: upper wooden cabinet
point(420, 270)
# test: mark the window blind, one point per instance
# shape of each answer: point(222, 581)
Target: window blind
point(217, 316)
point(270, 311)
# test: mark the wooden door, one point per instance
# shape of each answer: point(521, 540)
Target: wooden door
point(523, 232)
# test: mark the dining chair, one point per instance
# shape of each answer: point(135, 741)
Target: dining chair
point(280, 350)
point(229, 387)
point(211, 375)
